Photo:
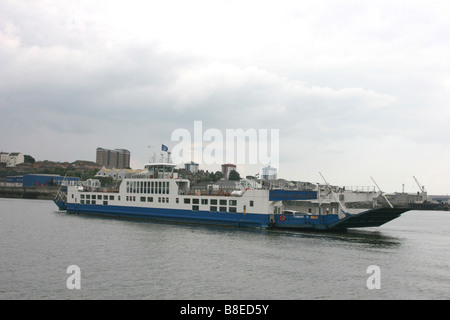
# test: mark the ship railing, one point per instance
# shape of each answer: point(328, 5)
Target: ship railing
point(359, 189)
point(212, 193)
point(220, 192)
point(99, 190)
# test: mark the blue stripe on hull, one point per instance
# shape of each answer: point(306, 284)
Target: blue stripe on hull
point(174, 215)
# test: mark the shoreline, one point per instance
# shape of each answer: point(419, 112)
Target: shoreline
point(41, 192)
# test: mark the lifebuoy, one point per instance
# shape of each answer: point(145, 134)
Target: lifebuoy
point(282, 218)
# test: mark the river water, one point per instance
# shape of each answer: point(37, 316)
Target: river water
point(122, 259)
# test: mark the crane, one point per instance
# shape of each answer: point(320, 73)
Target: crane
point(422, 188)
point(423, 192)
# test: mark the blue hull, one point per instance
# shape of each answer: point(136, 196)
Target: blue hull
point(369, 218)
point(174, 215)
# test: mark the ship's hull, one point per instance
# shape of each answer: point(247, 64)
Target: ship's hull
point(173, 215)
point(370, 218)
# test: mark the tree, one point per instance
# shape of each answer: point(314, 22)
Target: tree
point(29, 159)
point(216, 176)
point(234, 175)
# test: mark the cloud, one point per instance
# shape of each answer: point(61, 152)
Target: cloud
point(348, 84)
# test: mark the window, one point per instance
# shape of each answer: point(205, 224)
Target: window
point(99, 197)
point(105, 197)
point(194, 208)
point(233, 202)
point(105, 203)
point(195, 201)
point(177, 200)
point(82, 196)
point(232, 209)
point(223, 202)
point(167, 200)
point(93, 202)
point(149, 199)
point(142, 199)
point(213, 209)
point(223, 209)
point(213, 201)
point(251, 203)
point(111, 197)
point(204, 201)
point(187, 200)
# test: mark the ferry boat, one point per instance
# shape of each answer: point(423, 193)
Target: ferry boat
point(160, 194)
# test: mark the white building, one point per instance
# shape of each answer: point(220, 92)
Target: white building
point(12, 159)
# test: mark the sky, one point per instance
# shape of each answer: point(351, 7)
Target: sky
point(355, 89)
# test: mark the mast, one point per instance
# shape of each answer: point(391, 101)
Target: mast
point(382, 193)
point(343, 208)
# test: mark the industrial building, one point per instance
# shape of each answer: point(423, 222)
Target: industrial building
point(269, 173)
point(36, 180)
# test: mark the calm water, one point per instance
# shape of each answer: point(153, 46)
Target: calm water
point(122, 259)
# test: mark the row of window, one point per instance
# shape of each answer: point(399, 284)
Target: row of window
point(214, 209)
point(213, 202)
point(148, 187)
point(97, 197)
point(105, 202)
point(195, 201)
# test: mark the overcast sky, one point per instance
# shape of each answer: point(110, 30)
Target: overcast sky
point(355, 88)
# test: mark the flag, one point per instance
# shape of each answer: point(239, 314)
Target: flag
point(164, 148)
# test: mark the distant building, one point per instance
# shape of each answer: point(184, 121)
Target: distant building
point(119, 158)
point(269, 173)
point(37, 180)
point(191, 167)
point(12, 159)
point(226, 169)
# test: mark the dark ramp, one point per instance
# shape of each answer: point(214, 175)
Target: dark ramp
point(371, 218)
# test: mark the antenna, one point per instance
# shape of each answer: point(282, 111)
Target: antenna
point(382, 193)
point(149, 152)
